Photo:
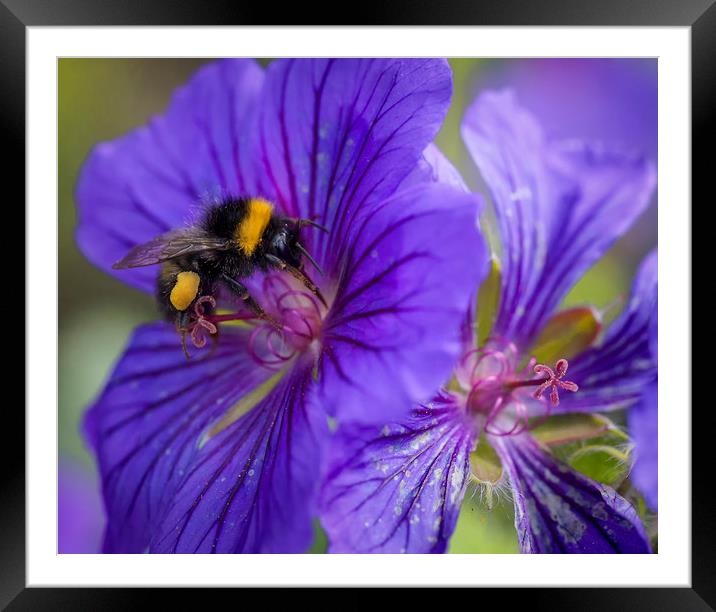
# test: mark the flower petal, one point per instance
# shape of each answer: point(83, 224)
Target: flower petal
point(601, 99)
point(409, 273)
point(335, 134)
point(559, 510)
point(146, 425)
point(150, 181)
point(643, 422)
point(398, 489)
point(434, 167)
point(617, 371)
point(643, 419)
point(560, 205)
point(250, 489)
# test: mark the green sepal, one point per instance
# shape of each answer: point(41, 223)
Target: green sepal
point(485, 463)
point(567, 334)
point(601, 462)
point(566, 428)
point(488, 299)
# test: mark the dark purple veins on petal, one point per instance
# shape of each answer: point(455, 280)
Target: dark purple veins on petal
point(146, 424)
point(250, 488)
point(409, 273)
point(337, 134)
point(399, 488)
point(558, 510)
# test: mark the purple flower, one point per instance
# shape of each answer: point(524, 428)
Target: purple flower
point(559, 206)
point(221, 453)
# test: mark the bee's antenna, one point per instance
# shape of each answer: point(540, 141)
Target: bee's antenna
point(301, 222)
point(301, 248)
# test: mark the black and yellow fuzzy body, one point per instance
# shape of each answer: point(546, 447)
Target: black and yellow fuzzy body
point(256, 232)
point(248, 235)
point(232, 240)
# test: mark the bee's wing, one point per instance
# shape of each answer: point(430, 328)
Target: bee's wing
point(170, 246)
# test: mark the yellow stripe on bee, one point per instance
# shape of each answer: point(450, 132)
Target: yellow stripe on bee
point(249, 232)
point(184, 290)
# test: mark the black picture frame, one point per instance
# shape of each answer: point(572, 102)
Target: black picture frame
point(17, 15)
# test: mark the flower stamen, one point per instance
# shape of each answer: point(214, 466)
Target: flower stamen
point(202, 325)
point(498, 389)
point(291, 325)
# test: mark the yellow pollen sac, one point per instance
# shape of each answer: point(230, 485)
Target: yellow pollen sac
point(249, 232)
point(185, 290)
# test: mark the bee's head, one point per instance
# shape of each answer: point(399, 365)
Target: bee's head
point(284, 243)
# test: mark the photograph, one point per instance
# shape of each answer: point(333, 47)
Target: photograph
point(358, 305)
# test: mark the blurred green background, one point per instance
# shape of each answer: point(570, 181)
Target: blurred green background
point(100, 99)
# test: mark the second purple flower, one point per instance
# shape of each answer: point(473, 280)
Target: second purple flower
point(559, 206)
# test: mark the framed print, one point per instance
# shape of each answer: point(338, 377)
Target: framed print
point(392, 307)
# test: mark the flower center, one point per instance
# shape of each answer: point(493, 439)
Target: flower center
point(294, 325)
point(299, 316)
point(501, 395)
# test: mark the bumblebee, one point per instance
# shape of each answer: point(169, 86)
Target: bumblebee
point(232, 240)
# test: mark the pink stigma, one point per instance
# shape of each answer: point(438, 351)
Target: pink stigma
point(554, 381)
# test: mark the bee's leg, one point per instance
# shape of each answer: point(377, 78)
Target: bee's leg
point(182, 325)
point(298, 274)
point(242, 292)
point(183, 319)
